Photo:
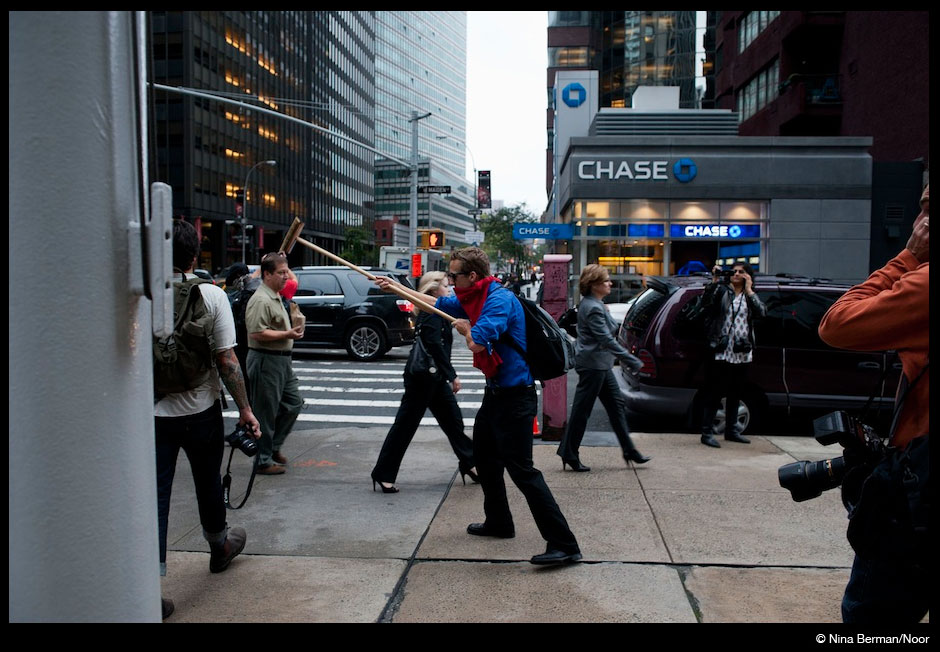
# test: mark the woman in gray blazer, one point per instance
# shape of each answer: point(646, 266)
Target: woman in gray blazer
point(597, 348)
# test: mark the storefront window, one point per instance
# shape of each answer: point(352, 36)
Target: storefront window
point(641, 209)
point(706, 211)
point(742, 211)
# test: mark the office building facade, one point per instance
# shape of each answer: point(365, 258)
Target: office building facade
point(314, 66)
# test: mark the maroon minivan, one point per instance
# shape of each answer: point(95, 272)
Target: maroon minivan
point(792, 368)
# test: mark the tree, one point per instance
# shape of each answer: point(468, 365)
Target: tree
point(498, 242)
point(359, 248)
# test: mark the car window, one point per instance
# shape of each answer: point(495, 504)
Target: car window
point(317, 284)
point(798, 314)
point(643, 310)
point(364, 286)
point(769, 331)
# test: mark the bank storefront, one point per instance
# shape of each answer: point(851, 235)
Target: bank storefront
point(674, 205)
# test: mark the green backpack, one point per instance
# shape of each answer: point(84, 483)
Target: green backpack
point(182, 360)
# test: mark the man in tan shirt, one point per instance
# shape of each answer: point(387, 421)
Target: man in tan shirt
point(275, 391)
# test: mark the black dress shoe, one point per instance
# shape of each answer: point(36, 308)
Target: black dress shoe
point(636, 457)
point(575, 466)
point(553, 557)
point(484, 530)
point(738, 438)
point(708, 440)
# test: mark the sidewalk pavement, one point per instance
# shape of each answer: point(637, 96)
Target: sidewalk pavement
point(695, 535)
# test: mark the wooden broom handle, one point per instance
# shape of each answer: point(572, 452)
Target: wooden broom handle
point(422, 304)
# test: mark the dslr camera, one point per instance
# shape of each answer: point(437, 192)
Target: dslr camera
point(241, 439)
point(864, 448)
point(724, 276)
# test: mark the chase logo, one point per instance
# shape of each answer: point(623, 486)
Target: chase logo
point(684, 170)
point(574, 95)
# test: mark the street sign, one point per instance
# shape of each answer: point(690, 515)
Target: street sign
point(474, 211)
point(435, 190)
point(474, 236)
point(528, 231)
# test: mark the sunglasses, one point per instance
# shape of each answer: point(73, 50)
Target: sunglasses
point(453, 275)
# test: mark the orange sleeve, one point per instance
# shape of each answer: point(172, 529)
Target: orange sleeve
point(888, 311)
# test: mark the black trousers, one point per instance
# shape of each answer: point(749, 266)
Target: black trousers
point(502, 441)
point(723, 380)
point(594, 384)
point(421, 394)
point(202, 437)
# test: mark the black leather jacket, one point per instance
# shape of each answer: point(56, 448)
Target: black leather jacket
point(718, 297)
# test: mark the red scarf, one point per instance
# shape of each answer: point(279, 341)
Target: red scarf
point(471, 300)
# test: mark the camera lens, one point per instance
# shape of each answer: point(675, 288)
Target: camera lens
point(805, 480)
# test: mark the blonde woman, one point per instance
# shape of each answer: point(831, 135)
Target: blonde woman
point(596, 350)
point(434, 391)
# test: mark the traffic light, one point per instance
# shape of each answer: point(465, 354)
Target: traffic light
point(432, 238)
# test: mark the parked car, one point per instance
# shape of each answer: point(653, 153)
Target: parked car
point(343, 308)
point(792, 368)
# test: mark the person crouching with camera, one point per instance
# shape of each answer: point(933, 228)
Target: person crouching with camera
point(732, 308)
point(891, 581)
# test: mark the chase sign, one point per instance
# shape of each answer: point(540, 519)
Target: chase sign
point(684, 170)
point(574, 95)
point(530, 231)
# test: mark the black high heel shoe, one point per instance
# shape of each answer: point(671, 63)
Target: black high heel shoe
point(636, 457)
point(473, 476)
point(385, 490)
point(575, 466)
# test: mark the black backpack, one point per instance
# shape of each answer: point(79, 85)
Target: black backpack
point(183, 359)
point(239, 302)
point(549, 349)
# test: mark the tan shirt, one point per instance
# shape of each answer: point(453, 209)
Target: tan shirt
point(265, 311)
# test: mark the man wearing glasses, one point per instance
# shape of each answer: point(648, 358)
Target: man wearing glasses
point(488, 315)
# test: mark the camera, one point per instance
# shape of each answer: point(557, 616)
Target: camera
point(741, 345)
point(863, 449)
point(724, 276)
point(241, 439)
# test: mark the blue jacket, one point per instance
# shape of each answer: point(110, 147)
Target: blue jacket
point(501, 312)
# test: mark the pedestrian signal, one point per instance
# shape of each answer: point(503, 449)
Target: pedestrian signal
point(432, 238)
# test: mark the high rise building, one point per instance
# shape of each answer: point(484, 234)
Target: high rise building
point(631, 49)
point(314, 66)
point(421, 66)
point(838, 73)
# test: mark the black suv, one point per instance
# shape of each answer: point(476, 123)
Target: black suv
point(345, 309)
point(792, 368)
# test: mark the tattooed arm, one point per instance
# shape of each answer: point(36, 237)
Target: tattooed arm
point(231, 374)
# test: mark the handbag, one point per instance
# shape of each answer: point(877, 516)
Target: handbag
point(420, 362)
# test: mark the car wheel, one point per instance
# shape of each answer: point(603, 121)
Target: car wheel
point(750, 409)
point(365, 342)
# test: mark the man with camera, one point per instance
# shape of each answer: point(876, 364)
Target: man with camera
point(192, 420)
point(732, 307)
point(890, 580)
point(275, 390)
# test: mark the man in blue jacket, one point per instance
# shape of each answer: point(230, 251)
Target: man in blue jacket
point(502, 432)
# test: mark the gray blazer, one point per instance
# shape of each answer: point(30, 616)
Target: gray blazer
point(597, 346)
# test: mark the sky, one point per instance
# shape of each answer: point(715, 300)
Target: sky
point(507, 53)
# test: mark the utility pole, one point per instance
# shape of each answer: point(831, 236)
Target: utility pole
point(413, 222)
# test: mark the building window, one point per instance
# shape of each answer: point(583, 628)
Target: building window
point(752, 25)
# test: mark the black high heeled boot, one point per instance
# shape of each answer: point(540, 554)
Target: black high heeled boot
point(636, 457)
point(575, 465)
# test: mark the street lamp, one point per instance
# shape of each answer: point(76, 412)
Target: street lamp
point(245, 206)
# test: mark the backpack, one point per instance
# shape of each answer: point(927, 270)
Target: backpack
point(549, 349)
point(183, 359)
point(239, 302)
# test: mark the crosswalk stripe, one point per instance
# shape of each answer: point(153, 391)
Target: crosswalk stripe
point(342, 402)
point(356, 419)
point(369, 390)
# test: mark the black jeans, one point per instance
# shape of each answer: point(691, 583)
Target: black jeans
point(202, 438)
point(723, 380)
point(594, 384)
point(421, 394)
point(502, 441)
